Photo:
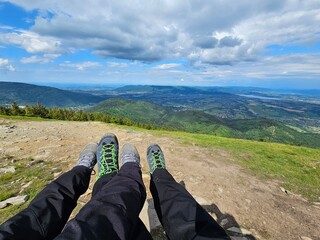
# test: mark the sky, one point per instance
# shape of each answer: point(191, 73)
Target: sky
point(262, 43)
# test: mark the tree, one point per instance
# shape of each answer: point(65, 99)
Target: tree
point(15, 109)
point(37, 111)
point(4, 110)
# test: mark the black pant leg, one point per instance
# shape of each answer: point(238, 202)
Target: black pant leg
point(181, 216)
point(113, 212)
point(47, 214)
point(101, 182)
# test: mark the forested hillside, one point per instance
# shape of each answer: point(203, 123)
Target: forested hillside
point(200, 122)
point(25, 94)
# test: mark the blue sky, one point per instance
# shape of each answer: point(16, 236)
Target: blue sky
point(264, 43)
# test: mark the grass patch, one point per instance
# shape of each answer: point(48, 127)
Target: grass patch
point(297, 167)
point(34, 119)
point(11, 184)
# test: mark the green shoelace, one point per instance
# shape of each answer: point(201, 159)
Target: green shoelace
point(156, 161)
point(108, 160)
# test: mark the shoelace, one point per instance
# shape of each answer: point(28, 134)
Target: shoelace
point(108, 161)
point(157, 161)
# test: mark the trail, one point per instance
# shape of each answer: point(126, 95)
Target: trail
point(213, 176)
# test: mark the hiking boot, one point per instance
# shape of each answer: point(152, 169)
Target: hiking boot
point(107, 155)
point(129, 153)
point(87, 156)
point(155, 158)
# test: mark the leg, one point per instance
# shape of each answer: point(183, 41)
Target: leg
point(181, 216)
point(102, 181)
point(49, 211)
point(140, 232)
point(113, 212)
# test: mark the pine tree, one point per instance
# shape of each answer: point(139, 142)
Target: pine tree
point(15, 109)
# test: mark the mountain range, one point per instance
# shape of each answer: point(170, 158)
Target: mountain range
point(266, 116)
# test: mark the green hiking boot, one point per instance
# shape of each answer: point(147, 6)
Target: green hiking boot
point(155, 158)
point(107, 155)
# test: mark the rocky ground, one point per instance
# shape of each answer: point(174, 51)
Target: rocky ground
point(237, 199)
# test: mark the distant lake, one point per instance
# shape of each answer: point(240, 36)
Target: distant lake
point(259, 97)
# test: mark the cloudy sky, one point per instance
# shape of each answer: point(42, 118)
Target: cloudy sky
point(266, 43)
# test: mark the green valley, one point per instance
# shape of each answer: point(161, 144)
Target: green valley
point(200, 122)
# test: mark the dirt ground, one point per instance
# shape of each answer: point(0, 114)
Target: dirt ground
point(213, 176)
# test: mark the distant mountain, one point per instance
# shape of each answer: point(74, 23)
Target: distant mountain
point(290, 108)
point(168, 90)
point(157, 89)
point(24, 94)
point(201, 122)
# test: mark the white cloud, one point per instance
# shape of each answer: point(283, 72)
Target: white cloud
point(81, 66)
point(290, 66)
point(11, 68)
point(5, 65)
point(3, 62)
point(117, 64)
point(36, 59)
point(214, 32)
point(33, 42)
point(166, 66)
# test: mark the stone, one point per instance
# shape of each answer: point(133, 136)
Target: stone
point(9, 169)
point(3, 204)
point(239, 238)
point(305, 238)
point(27, 184)
point(57, 174)
point(283, 190)
point(239, 230)
point(14, 201)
